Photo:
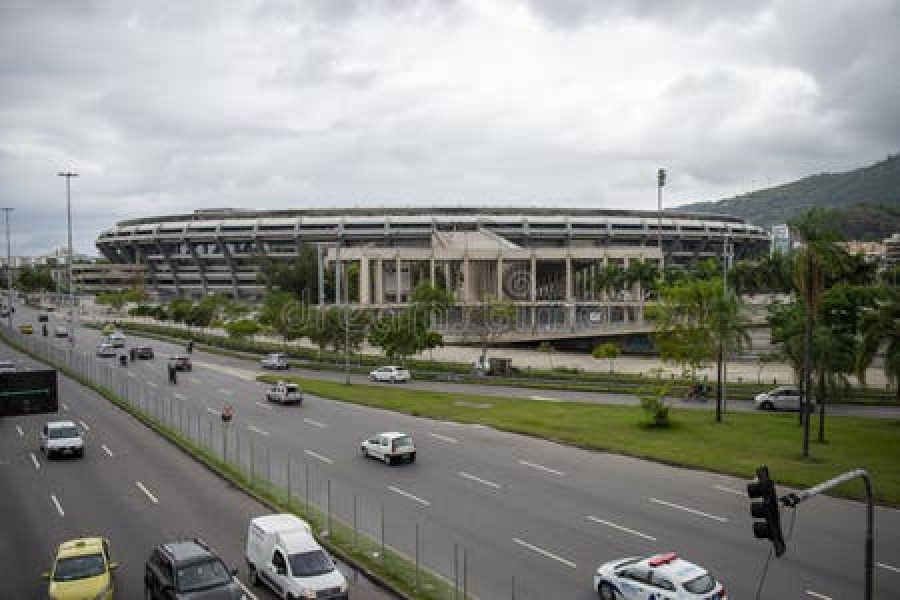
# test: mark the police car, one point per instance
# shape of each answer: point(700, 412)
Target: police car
point(659, 577)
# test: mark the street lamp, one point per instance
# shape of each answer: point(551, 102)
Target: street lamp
point(9, 299)
point(69, 175)
point(660, 183)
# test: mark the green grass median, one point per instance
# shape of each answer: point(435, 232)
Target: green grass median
point(737, 446)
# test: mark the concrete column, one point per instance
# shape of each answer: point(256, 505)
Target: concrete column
point(364, 282)
point(431, 270)
point(397, 279)
point(499, 278)
point(379, 282)
point(467, 280)
point(570, 292)
point(533, 292)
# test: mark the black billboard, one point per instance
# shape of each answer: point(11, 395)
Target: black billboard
point(28, 393)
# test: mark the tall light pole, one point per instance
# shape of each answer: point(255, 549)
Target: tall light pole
point(9, 299)
point(69, 175)
point(660, 183)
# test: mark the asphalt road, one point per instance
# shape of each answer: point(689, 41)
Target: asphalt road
point(132, 487)
point(543, 513)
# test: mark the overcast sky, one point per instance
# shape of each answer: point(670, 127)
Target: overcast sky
point(165, 107)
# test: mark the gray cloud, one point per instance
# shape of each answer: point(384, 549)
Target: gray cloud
point(168, 107)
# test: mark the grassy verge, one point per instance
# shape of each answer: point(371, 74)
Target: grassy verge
point(739, 445)
point(392, 569)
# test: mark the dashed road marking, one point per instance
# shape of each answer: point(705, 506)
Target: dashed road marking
point(546, 399)
point(130, 374)
point(444, 438)
point(817, 595)
point(471, 477)
point(324, 459)
point(255, 429)
point(315, 423)
point(152, 384)
point(693, 511)
point(65, 406)
point(888, 567)
point(226, 391)
point(144, 489)
point(723, 488)
point(543, 552)
point(541, 467)
point(413, 497)
point(263, 405)
point(85, 425)
point(178, 396)
point(620, 528)
point(212, 411)
point(107, 450)
point(19, 429)
point(194, 380)
point(34, 461)
point(59, 508)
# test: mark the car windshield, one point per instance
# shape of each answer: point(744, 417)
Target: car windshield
point(57, 433)
point(202, 575)
point(403, 442)
point(79, 567)
point(700, 585)
point(309, 564)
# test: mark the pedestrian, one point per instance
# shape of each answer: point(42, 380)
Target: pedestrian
point(131, 354)
point(173, 377)
point(190, 346)
point(227, 413)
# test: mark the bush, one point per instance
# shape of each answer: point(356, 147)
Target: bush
point(242, 328)
point(653, 403)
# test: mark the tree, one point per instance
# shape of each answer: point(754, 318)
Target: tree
point(402, 335)
point(114, 299)
point(879, 326)
point(34, 279)
point(180, 310)
point(284, 314)
point(490, 319)
point(299, 277)
point(608, 351)
point(610, 279)
point(242, 328)
point(646, 275)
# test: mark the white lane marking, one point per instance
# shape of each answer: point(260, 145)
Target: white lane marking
point(247, 592)
point(58, 505)
point(888, 567)
point(152, 384)
point(130, 374)
point(265, 406)
point(620, 528)
point(318, 424)
point(34, 460)
point(64, 406)
point(144, 489)
point(540, 467)
point(444, 438)
point(723, 488)
point(19, 429)
point(85, 425)
point(543, 552)
point(324, 459)
point(178, 396)
point(226, 391)
point(471, 477)
point(397, 490)
point(693, 511)
point(107, 450)
point(546, 399)
point(212, 411)
point(817, 595)
point(257, 430)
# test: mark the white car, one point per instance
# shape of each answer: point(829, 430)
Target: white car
point(117, 339)
point(274, 361)
point(391, 374)
point(106, 350)
point(61, 437)
point(61, 331)
point(7, 366)
point(781, 398)
point(663, 576)
point(390, 447)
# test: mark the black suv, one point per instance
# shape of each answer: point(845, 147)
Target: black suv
point(144, 352)
point(188, 570)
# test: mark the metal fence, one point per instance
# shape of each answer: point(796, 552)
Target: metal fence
point(439, 560)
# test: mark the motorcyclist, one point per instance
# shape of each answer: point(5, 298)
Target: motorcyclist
point(190, 346)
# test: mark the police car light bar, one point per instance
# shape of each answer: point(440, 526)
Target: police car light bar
point(662, 559)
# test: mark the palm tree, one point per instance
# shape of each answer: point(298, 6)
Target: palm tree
point(810, 265)
point(882, 326)
point(730, 331)
point(643, 273)
point(610, 279)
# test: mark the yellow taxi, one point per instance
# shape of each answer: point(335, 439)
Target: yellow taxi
point(82, 570)
point(26, 329)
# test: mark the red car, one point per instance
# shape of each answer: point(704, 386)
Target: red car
point(181, 362)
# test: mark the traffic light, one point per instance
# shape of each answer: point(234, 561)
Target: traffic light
point(766, 508)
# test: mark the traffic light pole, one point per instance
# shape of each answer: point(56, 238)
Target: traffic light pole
point(793, 499)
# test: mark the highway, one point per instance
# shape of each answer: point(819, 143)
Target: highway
point(132, 487)
point(526, 508)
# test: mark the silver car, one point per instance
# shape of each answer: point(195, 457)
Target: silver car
point(784, 397)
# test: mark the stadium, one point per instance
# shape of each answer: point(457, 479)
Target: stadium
point(545, 261)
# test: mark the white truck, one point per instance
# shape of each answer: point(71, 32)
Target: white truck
point(275, 361)
point(282, 553)
point(284, 393)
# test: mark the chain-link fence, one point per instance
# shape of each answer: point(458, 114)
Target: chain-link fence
point(411, 546)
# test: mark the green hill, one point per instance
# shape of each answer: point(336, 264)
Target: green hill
point(868, 200)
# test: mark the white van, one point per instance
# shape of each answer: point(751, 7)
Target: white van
point(282, 553)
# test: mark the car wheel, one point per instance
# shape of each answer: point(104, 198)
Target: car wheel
point(606, 591)
point(412, 457)
point(81, 453)
point(253, 576)
point(768, 406)
point(364, 452)
point(393, 380)
point(389, 460)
